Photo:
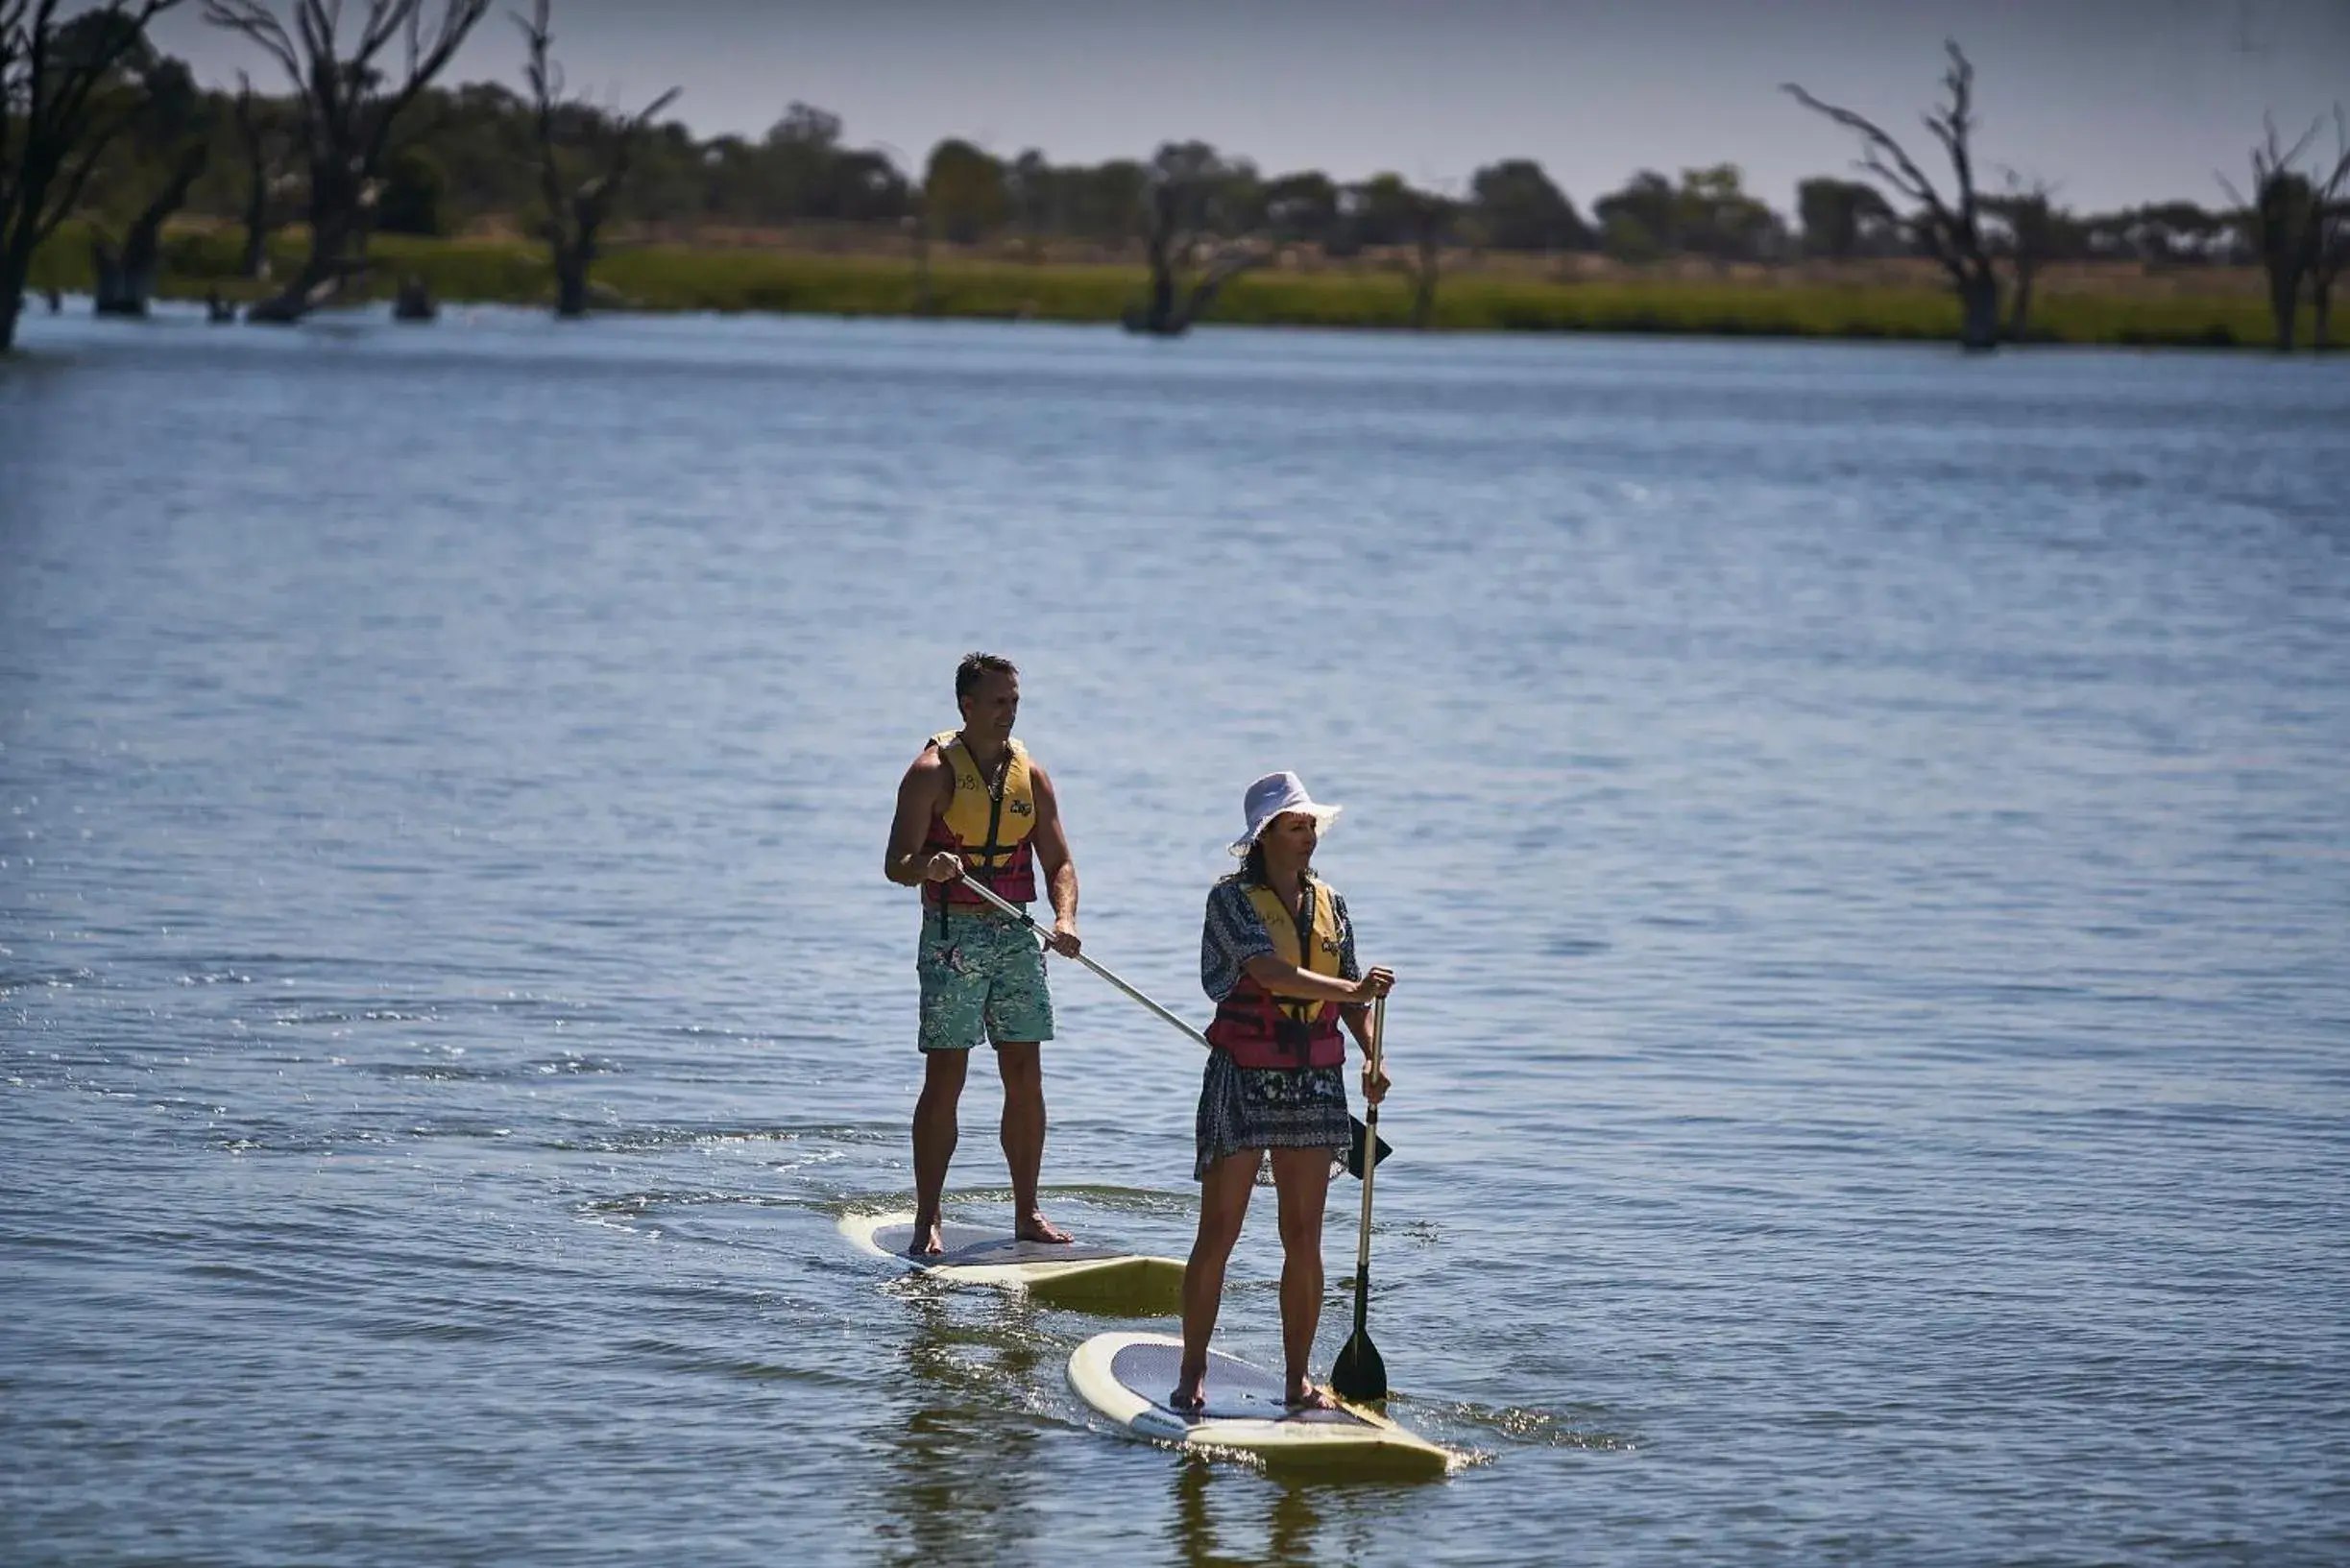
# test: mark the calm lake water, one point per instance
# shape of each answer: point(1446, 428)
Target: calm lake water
point(1864, 836)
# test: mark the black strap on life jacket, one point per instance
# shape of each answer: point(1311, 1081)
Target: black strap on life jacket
point(994, 850)
point(1293, 1033)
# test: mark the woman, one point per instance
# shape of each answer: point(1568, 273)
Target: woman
point(1277, 957)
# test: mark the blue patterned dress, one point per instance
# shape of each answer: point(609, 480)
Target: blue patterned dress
point(1263, 1107)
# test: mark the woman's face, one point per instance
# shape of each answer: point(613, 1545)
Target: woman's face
point(1290, 837)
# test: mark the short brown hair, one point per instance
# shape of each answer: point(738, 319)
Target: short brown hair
point(976, 665)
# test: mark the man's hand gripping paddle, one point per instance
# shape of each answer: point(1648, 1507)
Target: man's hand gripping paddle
point(1359, 1374)
point(1360, 1139)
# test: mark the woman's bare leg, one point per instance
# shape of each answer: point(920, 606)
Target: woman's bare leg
point(1301, 1181)
point(1224, 1203)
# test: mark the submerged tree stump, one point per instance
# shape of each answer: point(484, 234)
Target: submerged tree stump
point(414, 302)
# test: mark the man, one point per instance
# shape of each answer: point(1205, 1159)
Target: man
point(976, 804)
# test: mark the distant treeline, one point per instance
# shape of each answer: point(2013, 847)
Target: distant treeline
point(467, 156)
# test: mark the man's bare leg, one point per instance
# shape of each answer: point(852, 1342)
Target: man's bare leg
point(1301, 1183)
point(934, 1134)
point(1022, 1065)
point(1224, 1203)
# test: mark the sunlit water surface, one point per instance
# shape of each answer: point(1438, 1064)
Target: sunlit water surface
point(1863, 835)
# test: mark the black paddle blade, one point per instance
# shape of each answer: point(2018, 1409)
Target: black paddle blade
point(1359, 1375)
point(1356, 1135)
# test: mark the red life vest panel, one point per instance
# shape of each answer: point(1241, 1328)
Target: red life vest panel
point(988, 825)
point(1260, 1029)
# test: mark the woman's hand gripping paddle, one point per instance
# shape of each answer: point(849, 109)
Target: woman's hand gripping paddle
point(1359, 1374)
point(1358, 1144)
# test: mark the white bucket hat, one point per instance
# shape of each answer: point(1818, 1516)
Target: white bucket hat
point(1271, 796)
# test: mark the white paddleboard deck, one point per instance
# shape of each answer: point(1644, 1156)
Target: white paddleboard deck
point(1071, 1273)
point(1129, 1377)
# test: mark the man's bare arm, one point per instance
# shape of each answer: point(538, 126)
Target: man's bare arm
point(921, 795)
point(1060, 868)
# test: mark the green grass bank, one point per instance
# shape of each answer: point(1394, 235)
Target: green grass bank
point(682, 277)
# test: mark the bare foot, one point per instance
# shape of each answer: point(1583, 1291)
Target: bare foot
point(1037, 1228)
point(928, 1243)
point(1190, 1397)
point(1305, 1396)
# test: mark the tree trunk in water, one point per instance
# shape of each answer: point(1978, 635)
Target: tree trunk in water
point(1978, 304)
point(1158, 315)
point(2019, 311)
point(2283, 304)
point(414, 301)
point(335, 224)
point(124, 282)
point(571, 284)
point(11, 303)
point(2321, 305)
point(255, 261)
point(118, 285)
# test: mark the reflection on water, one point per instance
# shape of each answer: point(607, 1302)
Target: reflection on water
point(1226, 1518)
point(967, 1466)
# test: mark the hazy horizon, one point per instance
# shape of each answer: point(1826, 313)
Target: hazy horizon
point(2116, 104)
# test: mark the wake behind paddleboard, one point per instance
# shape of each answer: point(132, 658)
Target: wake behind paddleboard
point(1127, 1378)
point(1061, 1274)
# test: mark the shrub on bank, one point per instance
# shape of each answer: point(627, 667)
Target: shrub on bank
point(685, 277)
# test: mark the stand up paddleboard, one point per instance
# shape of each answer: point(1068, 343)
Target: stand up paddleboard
point(1127, 1378)
point(1060, 1275)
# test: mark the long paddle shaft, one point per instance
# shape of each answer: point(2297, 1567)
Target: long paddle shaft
point(1359, 1373)
point(1371, 1149)
point(1371, 1119)
point(1030, 921)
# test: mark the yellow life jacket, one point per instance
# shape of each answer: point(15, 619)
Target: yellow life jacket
point(989, 828)
point(1261, 1029)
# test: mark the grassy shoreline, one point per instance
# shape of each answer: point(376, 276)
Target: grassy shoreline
point(678, 277)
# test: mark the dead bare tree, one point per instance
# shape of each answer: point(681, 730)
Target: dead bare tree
point(1192, 254)
point(124, 275)
point(349, 105)
point(1951, 230)
point(55, 122)
point(2028, 225)
point(173, 127)
point(261, 140)
point(2329, 236)
point(576, 208)
point(1428, 218)
point(2277, 223)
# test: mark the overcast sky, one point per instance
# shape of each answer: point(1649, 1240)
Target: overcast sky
point(2116, 101)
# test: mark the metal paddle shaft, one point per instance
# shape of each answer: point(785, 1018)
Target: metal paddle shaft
point(1359, 1373)
point(1030, 921)
point(1359, 1157)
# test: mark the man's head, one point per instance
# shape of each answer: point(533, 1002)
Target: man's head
point(987, 690)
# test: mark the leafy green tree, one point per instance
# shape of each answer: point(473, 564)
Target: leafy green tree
point(1641, 220)
point(1843, 218)
point(410, 200)
point(1033, 193)
point(1713, 216)
point(963, 192)
point(1301, 209)
point(1515, 207)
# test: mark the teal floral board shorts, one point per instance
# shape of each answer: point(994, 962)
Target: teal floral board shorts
point(982, 980)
